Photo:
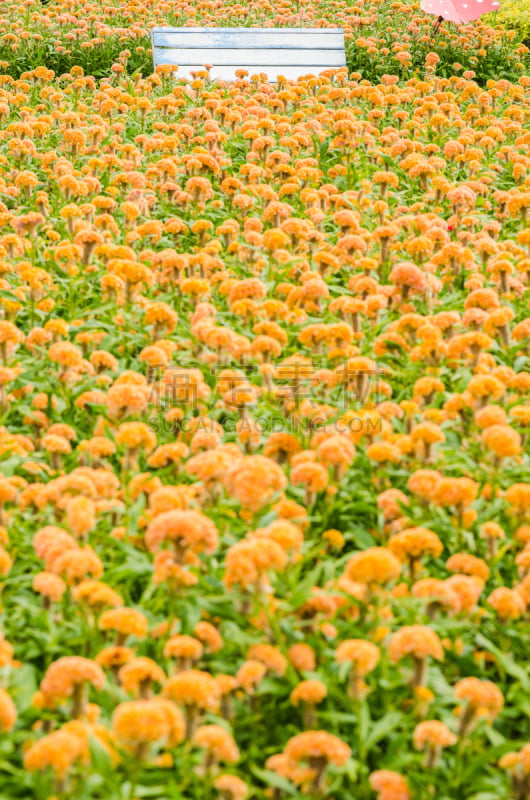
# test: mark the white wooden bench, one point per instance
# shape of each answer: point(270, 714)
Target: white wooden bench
point(290, 52)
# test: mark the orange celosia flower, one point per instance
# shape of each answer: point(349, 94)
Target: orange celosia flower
point(96, 595)
point(250, 674)
point(59, 751)
point(140, 723)
point(507, 603)
point(209, 636)
point(432, 734)
point(317, 749)
point(269, 656)
point(124, 622)
point(231, 787)
point(50, 586)
point(193, 690)
point(218, 743)
point(138, 674)
point(482, 698)
point(504, 441)
point(185, 649)
point(374, 566)
point(185, 529)
point(310, 692)
point(302, 657)
point(467, 564)
point(420, 642)
point(412, 544)
point(438, 594)
point(254, 480)
point(389, 784)
point(8, 712)
point(68, 676)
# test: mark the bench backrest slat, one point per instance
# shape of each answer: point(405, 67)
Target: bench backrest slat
point(291, 52)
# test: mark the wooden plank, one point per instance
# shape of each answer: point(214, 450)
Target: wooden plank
point(238, 28)
point(249, 57)
point(245, 30)
point(249, 37)
point(272, 52)
point(227, 72)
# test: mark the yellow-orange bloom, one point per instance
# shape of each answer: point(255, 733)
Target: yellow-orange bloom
point(482, 698)
point(185, 529)
point(362, 654)
point(8, 712)
point(374, 566)
point(389, 785)
point(412, 544)
point(317, 745)
point(419, 641)
point(138, 674)
point(125, 622)
point(432, 733)
point(218, 743)
point(193, 688)
point(140, 723)
point(58, 750)
point(310, 692)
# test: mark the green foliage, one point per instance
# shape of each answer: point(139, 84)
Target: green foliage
point(514, 15)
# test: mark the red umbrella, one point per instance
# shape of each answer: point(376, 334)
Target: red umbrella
point(459, 10)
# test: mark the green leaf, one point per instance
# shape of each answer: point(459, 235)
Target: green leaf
point(23, 685)
point(485, 796)
point(100, 757)
point(383, 727)
point(506, 661)
point(302, 592)
point(273, 779)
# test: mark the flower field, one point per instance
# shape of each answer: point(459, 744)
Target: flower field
point(382, 37)
point(264, 415)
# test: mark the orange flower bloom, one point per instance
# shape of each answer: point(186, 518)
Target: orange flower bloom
point(502, 440)
point(507, 603)
point(231, 787)
point(468, 565)
point(68, 676)
point(482, 698)
point(218, 743)
point(125, 622)
point(59, 751)
point(254, 480)
point(185, 649)
point(374, 566)
point(432, 733)
point(8, 712)
point(412, 544)
point(140, 723)
point(209, 636)
point(389, 785)
point(438, 594)
point(270, 656)
point(193, 688)
point(185, 529)
point(317, 749)
point(420, 642)
point(310, 692)
point(50, 586)
point(302, 657)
